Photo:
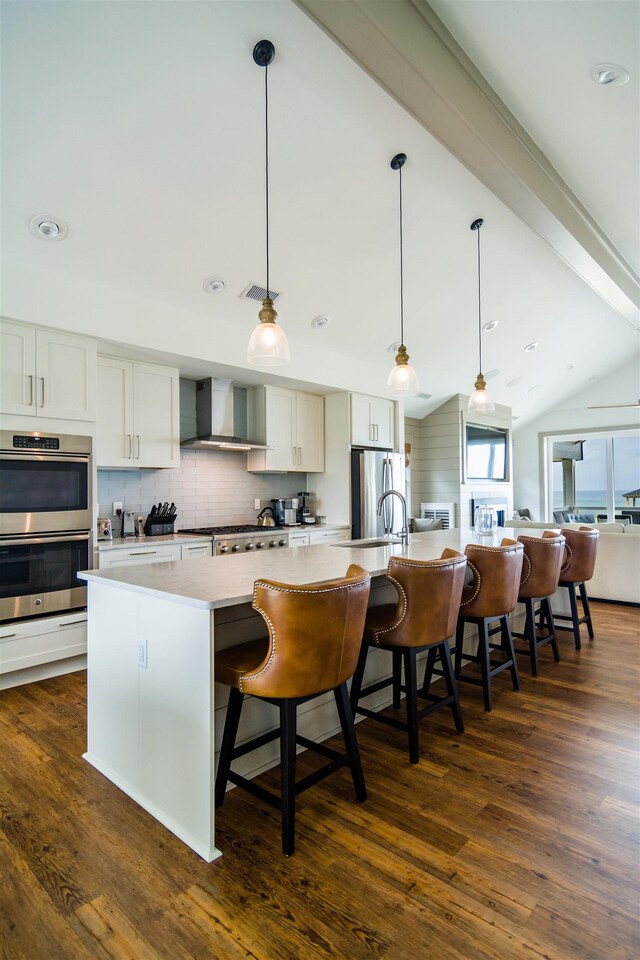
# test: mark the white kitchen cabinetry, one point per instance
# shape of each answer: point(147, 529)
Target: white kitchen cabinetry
point(204, 549)
point(138, 419)
point(46, 373)
point(329, 536)
point(298, 539)
point(291, 424)
point(35, 642)
point(152, 553)
point(372, 421)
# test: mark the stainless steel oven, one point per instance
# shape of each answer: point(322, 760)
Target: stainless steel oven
point(39, 575)
point(45, 483)
point(45, 522)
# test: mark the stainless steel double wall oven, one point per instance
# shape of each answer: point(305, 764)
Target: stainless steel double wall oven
point(45, 522)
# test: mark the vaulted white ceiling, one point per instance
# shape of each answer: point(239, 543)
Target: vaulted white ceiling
point(141, 125)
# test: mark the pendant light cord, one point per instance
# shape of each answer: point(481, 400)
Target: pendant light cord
point(479, 308)
point(266, 162)
point(401, 269)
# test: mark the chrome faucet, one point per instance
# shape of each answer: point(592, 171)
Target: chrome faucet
point(404, 533)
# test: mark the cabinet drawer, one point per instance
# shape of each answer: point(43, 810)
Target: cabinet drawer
point(29, 644)
point(139, 555)
point(298, 539)
point(328, 536)
point(197, 550)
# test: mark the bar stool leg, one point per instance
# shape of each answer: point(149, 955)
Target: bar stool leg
point(428, 670)
point(452, 686)
point(234, 709)
point(571, 587)
point(350, 741)
point(485, 666)
point(458, 650)
point(288, 773)
point(411, 685)
point(546, 616)
point(507, 645)
point(530, 634)
point(585, 607)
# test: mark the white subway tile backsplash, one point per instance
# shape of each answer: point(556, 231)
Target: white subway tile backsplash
point(209, 489)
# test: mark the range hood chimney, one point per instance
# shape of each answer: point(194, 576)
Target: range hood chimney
point(221, 417)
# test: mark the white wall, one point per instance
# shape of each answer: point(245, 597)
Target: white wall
point(623, 386)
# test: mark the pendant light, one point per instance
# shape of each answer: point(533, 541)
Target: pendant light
point(268, 345)
point(403, 379)
point(480, 400)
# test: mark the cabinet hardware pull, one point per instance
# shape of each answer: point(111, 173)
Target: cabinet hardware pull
point(42, 382)
point(138, 439)
point(30, 379)
point(143, 553)
point(130, 454)
point(7, 636)
point(71, 623)
point(293, 455)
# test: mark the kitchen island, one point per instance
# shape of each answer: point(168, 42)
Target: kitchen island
point(153, 720)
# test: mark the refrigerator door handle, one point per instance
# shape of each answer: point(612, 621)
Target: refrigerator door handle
point(387, 515)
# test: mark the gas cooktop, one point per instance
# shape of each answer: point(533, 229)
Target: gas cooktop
point(230, 530)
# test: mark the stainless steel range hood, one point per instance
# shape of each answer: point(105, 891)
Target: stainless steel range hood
point(221, 417)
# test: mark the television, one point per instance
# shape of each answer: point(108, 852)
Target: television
point(486, 452)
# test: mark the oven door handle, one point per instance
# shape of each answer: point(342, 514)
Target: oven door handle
point(27, 541)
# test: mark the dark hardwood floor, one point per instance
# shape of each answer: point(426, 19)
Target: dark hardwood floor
point(517, 840)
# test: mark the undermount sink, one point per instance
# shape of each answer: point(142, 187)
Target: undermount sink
point(363, 544)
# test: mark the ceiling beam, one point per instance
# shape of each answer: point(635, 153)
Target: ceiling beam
point(406, 48)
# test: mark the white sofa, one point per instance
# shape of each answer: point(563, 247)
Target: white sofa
point(617, 573)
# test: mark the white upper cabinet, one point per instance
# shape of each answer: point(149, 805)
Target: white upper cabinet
point(138, 420)
point(46, 373)
point(291, 424)
point(372, 421)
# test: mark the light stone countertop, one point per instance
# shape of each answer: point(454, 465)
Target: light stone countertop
point(119, 543)
point(214, 582)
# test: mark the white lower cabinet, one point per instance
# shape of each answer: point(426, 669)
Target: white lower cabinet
point(329, 536)
point(152, 553)
point(35, 642)
point(298, 539)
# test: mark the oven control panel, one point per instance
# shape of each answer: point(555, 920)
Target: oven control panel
point(20, 442)
point(224, 546)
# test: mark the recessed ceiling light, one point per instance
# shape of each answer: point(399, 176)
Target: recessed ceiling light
point(214, 284)
point(514, 382)
point(490, 374)
point(321, 321)
point(488, 327)
point(531, 346)
point(609, 74)
point(48, 228)
point(393, 347)
point(569, 366)
point(535, 388)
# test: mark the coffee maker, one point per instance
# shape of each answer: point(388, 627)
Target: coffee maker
point(278, 512)
point(305, 513)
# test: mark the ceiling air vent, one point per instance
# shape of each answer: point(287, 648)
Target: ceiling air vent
point(255, 292)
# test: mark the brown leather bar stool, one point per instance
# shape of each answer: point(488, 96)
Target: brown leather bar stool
point(490, 594)
point(423, 619)
point(314, 635)
point(541, 564)
point(579, 563)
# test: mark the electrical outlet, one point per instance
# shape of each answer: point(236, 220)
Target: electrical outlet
point(117, 507)
point(256, 504)
point(142, 653)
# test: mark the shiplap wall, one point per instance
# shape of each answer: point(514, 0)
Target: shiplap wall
point(437, 472)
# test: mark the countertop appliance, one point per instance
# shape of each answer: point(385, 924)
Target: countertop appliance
point(238, 538)
point(45, 523)
point(278, 507)
point(306, 513)
point(373, 472)
point(105, 531)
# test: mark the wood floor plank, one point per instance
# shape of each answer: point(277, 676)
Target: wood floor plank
point(518, 840)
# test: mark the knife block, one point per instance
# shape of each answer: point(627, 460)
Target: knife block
point(154, 529)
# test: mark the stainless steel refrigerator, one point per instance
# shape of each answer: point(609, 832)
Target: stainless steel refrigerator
point(373, 472)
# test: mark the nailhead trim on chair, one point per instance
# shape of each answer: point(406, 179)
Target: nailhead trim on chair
point(568, 554)
point(379, 633)
point(478, 580)
point(525, 559)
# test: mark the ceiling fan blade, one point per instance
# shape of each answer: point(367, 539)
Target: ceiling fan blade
point(608, 406)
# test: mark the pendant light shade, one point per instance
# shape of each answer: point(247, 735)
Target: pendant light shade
point(480, 400)
point(403, 379)
point(268, 346)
